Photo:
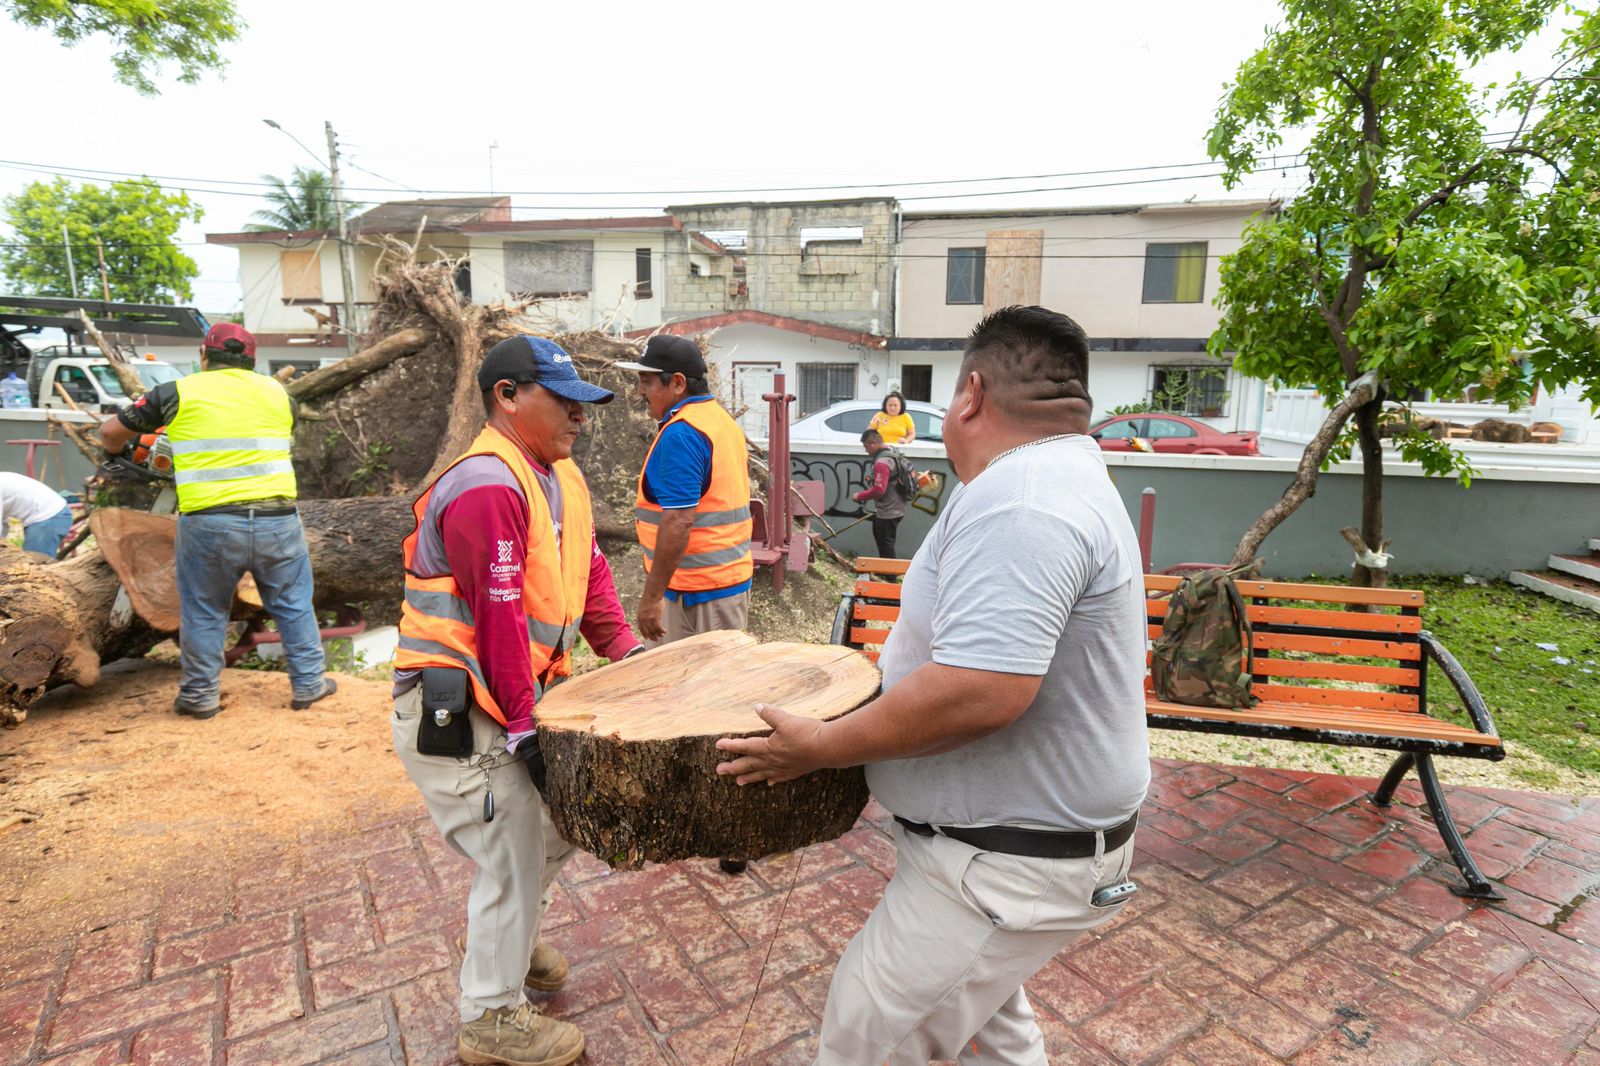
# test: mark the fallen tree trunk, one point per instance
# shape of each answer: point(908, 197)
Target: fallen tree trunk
point(56, 618)
point(348, 371)
point(630, 750)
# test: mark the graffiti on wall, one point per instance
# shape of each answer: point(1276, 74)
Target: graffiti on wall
point(843, 476)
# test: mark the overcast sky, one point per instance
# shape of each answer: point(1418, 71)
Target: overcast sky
point(652, 102)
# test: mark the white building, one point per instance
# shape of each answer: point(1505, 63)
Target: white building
point(1140, 279)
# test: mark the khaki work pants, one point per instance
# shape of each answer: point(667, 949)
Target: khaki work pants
point(730, 612)
point(517, 855)
point(937, 971)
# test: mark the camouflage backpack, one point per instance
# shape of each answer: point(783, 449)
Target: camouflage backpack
point(1203, 655)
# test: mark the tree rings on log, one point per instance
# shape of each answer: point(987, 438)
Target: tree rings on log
point(630, 750)
point(142, 548)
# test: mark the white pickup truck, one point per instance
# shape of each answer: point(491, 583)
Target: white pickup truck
point(89, 380)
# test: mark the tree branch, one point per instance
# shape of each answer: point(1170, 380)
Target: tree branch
point(1363, 390)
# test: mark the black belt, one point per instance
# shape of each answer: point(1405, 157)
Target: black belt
point(1034, 843)
point(277, 511)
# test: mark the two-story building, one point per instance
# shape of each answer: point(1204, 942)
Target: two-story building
point(1140, 279)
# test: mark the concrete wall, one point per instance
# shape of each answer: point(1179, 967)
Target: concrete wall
point(611, 297)
point(1093, 268)
point(1509, 519)
point(839, 283)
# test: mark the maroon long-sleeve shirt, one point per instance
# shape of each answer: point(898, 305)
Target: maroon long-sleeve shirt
point(477, 520)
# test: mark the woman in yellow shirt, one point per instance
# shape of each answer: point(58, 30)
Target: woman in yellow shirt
point(892, 422)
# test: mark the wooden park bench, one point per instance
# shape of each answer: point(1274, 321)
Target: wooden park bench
point(1322, 673)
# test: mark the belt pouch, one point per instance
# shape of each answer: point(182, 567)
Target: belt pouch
point(445, 728)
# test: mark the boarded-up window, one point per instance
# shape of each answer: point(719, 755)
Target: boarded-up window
point(549, 268)
point(302, 276)
point(1011, 268)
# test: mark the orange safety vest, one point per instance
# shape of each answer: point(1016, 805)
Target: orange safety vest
point(718, 554)
point(436, 622)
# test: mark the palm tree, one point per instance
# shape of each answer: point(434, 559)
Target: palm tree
point(305, 202)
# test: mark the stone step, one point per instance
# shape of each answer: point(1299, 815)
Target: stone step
point(1561, 586)
point(1584, 566)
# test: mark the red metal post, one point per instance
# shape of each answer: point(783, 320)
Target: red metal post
point(1147, 527)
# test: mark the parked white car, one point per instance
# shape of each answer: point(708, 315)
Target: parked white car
point(844, 422)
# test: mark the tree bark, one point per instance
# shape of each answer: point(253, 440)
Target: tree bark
point(55, 618)
point(630, 750)
point(347, 371)
point(1371, 492)
point(1304, 486)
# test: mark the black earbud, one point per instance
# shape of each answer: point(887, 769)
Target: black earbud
point(509, 392)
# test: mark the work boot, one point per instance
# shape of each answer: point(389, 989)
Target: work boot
point(547, 969)
point(329, 687)
point(196, 712)
point(519, 1036)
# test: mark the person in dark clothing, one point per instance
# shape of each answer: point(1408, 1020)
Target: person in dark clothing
point(885, 490)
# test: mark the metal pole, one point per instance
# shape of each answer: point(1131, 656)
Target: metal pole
point(72, 274)
point(1147, 527)
point(347, 270)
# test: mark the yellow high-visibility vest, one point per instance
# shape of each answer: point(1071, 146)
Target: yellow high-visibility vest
point(231, 439)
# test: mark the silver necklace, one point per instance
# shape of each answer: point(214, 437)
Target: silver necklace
point(1029, 444)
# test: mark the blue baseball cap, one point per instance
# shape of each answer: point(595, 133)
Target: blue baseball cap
point(527, 359)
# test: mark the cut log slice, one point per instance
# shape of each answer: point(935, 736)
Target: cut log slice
point(142, 547)
point(630, 750)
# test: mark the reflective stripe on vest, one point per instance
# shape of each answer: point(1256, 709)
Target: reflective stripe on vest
point(718, 553)
point(231, 439)
point(436, 622)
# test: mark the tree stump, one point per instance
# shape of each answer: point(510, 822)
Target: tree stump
point(631, 757)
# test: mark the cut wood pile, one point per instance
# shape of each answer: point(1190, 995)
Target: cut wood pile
point(630, 751)
point(372, 430)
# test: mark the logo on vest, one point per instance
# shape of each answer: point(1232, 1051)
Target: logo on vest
point(503, 550)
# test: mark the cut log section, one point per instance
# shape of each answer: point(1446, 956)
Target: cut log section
point(630, 750)
point(142, 548)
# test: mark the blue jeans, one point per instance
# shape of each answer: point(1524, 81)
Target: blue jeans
point(214, 552)
point(45, 536)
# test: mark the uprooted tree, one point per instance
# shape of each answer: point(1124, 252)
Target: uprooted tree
point(1446, 239)
point(372, 430)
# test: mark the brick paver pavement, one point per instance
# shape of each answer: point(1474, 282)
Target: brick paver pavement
point(1281, 918)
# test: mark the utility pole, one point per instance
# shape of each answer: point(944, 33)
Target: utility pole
point(72, 275)
point(105, 281)
point(346, 252)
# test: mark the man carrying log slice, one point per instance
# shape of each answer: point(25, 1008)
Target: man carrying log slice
point(1009, 741)
point(231, 430)
point(502, 574)
point(692, 512)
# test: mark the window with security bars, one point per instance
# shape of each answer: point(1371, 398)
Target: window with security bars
point(1197, 389)
point(822, 384)
point(963, 276)
point(1174, 273)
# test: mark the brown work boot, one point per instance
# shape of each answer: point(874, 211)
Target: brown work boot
point(519, 1036)
point(547, 970)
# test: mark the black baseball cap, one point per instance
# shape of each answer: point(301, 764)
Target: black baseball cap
point(528, 359)
point(668, 354)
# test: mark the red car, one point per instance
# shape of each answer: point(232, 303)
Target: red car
point(1171, 433)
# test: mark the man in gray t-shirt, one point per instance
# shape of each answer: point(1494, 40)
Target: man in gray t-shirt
point(1009, 741)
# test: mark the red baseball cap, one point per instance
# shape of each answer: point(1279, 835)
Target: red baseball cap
point(232, 338)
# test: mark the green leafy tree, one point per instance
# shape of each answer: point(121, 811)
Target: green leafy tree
point(304, 202)
point(1447, 235)
point(135, 220)
point(145, 35)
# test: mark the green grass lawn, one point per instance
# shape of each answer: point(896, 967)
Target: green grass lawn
point(1493, 630)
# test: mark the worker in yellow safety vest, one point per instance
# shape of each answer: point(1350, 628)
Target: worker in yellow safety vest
point(230, 430)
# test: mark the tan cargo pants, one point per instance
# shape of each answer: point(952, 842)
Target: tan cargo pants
point(517, 855)
point(937, 971)
point(730, 612)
